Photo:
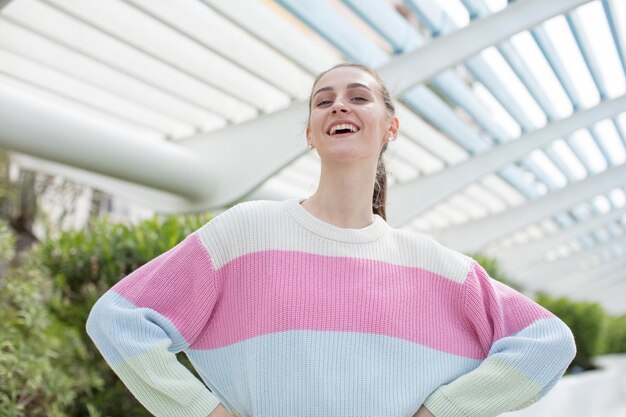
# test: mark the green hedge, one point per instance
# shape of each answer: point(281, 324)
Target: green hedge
point(48, 364)
point(615, 335)
point(38, 354)
point(83, 266)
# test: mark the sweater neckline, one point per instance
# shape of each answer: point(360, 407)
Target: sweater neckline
point(369, 233)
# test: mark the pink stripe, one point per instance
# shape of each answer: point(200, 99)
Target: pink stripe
point(178, 285)
point(496, 311)
point(274, 291)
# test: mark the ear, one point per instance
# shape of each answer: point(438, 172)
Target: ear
point(394, 128)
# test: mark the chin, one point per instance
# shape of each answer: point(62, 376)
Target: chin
point(346, 154)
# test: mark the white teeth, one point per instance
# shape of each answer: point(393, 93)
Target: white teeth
point(343, 126)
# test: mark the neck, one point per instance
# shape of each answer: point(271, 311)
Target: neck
point(344, 196)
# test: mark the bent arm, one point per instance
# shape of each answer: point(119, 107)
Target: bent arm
point(155, 312)
point(527, 351)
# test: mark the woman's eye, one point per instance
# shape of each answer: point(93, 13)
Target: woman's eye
point(324, 102)
point(358, 98)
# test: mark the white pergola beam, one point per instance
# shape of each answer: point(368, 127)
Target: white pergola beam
point(416, 67)
point(246, 155)
point(531, 252)
point(573, 278)
point(160, 201)
point(611, 298)
point(605, 284)
point(474, 236)
point(600, 288)
point(616, 308)
point(605, 292)
point(260, 147)
point(409, 199)
point(588, 282)
point(4, 3)
point(615, 295)
point(560, 266)
point(42, 129)
point(265, 145)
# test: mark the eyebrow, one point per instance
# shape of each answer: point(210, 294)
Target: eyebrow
point(351, 85)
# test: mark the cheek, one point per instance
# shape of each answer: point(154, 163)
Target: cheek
point(378, 119)
point(316, 122)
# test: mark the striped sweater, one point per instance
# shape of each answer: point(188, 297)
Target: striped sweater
point(285, 315)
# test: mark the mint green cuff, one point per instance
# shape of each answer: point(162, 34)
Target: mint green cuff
point(440, 406)
point(202, 406)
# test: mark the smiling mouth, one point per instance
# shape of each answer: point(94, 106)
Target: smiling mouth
point(342, 130)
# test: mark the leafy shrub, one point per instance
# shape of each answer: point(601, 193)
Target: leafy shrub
point(83, 265)
point(36, 350)
point(7, 242)
point(615, 336)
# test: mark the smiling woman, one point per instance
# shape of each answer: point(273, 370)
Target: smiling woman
point(319, 308)
point(351, 120)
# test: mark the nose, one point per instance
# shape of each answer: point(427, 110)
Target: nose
point(339, 106)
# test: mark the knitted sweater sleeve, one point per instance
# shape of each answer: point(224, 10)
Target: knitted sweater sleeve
point(146, 318)
point(527, 349)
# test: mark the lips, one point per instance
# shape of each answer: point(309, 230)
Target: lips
point(342, 128)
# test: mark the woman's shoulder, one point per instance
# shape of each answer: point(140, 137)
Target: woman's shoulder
point(413, 238)
point(238, 228)
point(245, 211)
point(434, 256)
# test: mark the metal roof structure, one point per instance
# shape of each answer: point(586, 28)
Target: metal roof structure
point(512, 115)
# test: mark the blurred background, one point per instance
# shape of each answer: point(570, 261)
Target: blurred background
point(127, 124)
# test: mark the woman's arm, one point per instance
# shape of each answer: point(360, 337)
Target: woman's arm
point(145, 319)
point(527, 349)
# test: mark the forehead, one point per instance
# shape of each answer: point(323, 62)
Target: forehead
point(342, 76)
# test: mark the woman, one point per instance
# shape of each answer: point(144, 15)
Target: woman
point(319, 308)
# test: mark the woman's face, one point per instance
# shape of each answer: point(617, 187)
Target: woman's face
point(348, 118)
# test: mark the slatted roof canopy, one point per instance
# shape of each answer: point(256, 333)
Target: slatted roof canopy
point(512, 115)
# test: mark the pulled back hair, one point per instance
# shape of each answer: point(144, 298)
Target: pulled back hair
point(379, 197)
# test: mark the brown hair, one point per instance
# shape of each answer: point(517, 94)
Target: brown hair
point(379, 198)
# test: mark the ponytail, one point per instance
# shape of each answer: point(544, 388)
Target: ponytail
point(379, 198)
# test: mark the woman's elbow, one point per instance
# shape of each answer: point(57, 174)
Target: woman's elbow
point(93, 325)
point(567, 343)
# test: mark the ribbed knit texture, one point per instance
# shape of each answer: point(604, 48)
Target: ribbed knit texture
point(285, 315)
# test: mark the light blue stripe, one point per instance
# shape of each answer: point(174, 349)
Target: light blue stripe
point(545, 348)
point(121, 330)
point(336, 373)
